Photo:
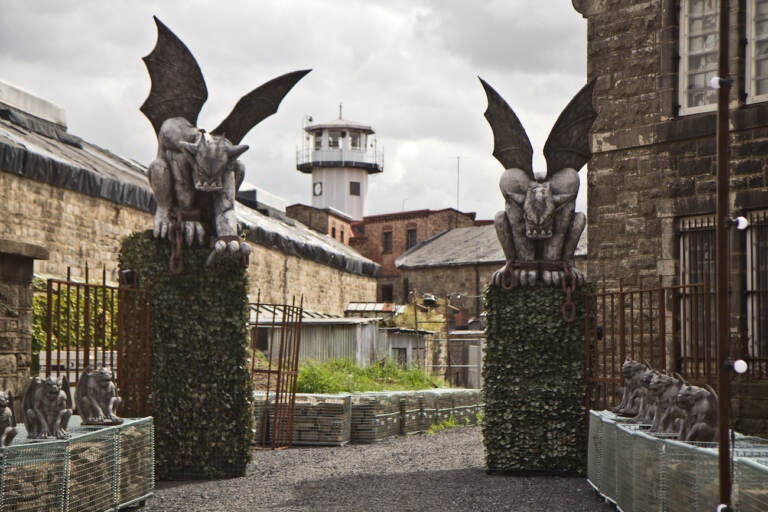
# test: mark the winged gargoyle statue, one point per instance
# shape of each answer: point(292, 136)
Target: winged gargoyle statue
point(196, 173)
point(539, 228)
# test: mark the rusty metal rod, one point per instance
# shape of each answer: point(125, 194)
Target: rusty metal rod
point(721, 255)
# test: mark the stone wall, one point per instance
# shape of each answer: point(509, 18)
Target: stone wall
point(79, 229)
point(16, 261)
point(652, 166)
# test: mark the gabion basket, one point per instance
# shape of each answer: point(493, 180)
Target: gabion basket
point(750, 485)
point(411, 412)
point(595, 449)
point(691, 481)
point(322, 420)
point(93, 469)
point(466, 406)
point(608, 471)
point(33, 476)
point(648, 471)
point(137, 455)
point(375, 416)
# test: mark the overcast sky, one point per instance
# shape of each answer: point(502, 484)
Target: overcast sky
point(408, 68)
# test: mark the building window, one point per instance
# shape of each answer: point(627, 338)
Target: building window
point(387, 293)
point(334, 139)
point(410, 238)
point(386, 242)
point(698, 55)
point(333, 232)
point(354, 188)
point(757, 287)
point(757, 51)
point(354, 140)
point(400, 356)
point(341, 236)
point(318, 136)
point(697, 296)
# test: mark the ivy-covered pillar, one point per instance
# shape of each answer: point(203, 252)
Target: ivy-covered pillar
point(200, 386)
point(534, 386)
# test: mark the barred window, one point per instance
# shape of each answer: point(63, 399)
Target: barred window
point(697, 297)
point(757, 288)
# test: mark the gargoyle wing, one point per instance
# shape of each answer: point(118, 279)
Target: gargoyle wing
point(67, 391)
point(257, 105)
point(178, 88)
point(511, 145)
point(568, 142)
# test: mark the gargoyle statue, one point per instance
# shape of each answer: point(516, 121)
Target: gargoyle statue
point(699, 414)
point(539, 229)
point(7, 419)
point(96, 397)
point(47, 406)
point(196, 173)
point(634, 373)
point(664, 389)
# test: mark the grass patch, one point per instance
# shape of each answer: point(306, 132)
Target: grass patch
point(344, 376)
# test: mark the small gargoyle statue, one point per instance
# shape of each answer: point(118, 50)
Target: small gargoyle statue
point(47, 406)
point(96, 397)
point(196, 173)
point(7, 419)
point(539, 228)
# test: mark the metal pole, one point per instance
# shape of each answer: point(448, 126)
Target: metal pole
point(721, 257)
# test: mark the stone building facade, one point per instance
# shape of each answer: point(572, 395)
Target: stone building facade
point(78, 201)
point(651, 180)
point(382, 238)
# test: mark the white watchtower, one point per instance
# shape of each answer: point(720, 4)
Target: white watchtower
point(340, 155)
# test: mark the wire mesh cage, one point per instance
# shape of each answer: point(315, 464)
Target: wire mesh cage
point(375, 416)
point(33, 475)
point(411, 412)
point(93, 469)
point(648, 471)
point(691, 478)
point(322, 420)
point(136, 444)
point(466, 406)
point(750, 485)
point(595, 450)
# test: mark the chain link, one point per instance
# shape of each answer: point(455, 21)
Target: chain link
point(568, 280)
point(176, 238)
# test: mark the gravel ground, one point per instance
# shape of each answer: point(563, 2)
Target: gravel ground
point(441, 472)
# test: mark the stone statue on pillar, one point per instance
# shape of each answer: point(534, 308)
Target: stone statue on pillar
point(539, 228)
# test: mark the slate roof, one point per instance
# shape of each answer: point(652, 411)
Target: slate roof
point(475, 245)
point(44, 151)
point(454, 247)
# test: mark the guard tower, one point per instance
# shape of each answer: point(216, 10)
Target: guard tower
point(339, 155)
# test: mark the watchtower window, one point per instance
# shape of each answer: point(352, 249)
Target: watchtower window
point(318, 136)
point(334, 139)
point(354, 188)
point(354, 140)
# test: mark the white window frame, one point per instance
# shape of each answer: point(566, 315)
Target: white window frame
point(751, 64)
point(685, 109)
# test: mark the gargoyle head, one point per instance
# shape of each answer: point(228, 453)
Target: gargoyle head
point(52, 385)
point(210, 157)
point(102, 376)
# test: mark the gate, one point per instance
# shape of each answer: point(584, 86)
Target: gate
point(90, 325)
point(275, 343)
point(668, 326)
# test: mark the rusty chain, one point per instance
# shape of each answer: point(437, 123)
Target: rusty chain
point(176, 237)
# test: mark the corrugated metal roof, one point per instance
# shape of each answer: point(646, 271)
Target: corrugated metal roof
point(454, 247)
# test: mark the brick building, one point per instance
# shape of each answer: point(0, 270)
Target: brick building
point(652, 183)
point(382, 238)
point(328, 221)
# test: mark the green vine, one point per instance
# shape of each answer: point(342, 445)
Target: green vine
point(534, 382)
point(201, 397)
